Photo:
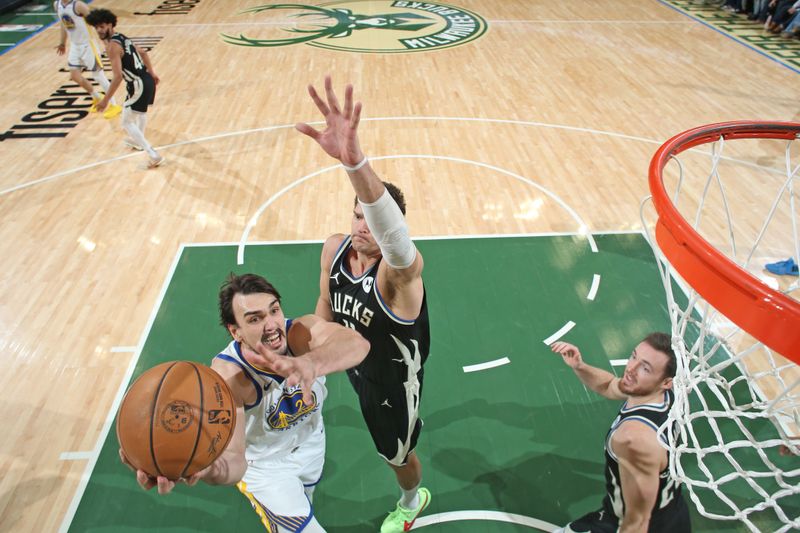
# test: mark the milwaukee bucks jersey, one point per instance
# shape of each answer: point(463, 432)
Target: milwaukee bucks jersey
point(654, 415)
point(133, 68)
point(398, 346)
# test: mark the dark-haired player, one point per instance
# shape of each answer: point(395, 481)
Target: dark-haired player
point(641, 496)
point(371, 281)
point(275, 368)
point(134, 66)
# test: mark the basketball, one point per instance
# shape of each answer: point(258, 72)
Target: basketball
point(176, 419)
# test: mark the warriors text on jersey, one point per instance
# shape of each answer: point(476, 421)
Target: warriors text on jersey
point(397, 345)
point(74, 24)
point(278, 421)
point(654, 415)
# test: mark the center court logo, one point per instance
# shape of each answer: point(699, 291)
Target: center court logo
point(388, 26)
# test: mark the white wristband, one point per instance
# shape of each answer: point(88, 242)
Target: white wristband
point(358, 165)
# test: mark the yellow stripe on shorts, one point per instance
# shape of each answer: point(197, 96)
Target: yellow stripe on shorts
point(258, 508)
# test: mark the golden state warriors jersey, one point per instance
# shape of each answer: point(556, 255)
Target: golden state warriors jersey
point(76, 27)
point(278, 421)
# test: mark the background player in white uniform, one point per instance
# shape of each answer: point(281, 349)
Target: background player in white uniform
point(379, 292)
point(641, 496)
point(83, 53)
point(277, 452)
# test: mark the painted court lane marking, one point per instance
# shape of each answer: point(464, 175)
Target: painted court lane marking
point(488, 364)
point(595, 286)
point(123, 349)
point(75, 456)
point(560, 333)
point(570, 211)
point(492, 516)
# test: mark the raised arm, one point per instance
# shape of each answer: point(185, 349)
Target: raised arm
point(640, 461)
point(400, 272)
point(320, 348)
point(598, 380)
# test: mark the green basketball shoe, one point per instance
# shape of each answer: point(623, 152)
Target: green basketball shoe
point(402, 519)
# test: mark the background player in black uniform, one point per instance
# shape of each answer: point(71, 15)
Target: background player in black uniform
point(641, 496)
point(372, 281)
point(134, 66)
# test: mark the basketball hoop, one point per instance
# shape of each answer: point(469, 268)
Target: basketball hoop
point(736, 332)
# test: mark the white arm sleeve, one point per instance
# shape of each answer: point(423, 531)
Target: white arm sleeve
point(388, 226)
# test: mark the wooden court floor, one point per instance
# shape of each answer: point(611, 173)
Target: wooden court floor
point(543, 123)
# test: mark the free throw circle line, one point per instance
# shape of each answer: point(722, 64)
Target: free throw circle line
point(491, 516)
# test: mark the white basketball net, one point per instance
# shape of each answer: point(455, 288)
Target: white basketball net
point(737, 402)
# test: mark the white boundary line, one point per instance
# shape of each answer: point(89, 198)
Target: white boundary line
point(123, 349)
point(377, 119)
point(595, 286)
point(75, 456)
point(95, 453)
point(426, 238)
point(618, 362)
point(494, 516)
point(487, 365)
point(254, 219)
point(560, 333)
point(488, 21)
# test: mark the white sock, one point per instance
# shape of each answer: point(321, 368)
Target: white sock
point(100, 77)
point(129, 121)
point(410, 498)
point(141, 121)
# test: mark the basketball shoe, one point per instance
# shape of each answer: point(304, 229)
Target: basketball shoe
point(95, 101)
point(402, 519)
point(153, 163)
point(112, 111)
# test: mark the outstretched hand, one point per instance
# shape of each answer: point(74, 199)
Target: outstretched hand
point(300, 370)
point(164, 485)
point(339, 139)
point(569, 352)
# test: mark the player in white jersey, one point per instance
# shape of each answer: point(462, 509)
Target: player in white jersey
point(275, 368)
point(83, 52)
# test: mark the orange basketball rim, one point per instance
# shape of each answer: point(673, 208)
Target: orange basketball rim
point(768, 315)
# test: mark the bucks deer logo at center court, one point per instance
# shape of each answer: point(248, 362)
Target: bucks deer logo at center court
point(375, 26)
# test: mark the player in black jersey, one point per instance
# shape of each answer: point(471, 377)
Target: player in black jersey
point(134, 66)
point(371, 281)
point(641, 495)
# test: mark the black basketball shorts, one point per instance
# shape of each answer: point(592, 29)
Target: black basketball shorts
point(391, 413)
